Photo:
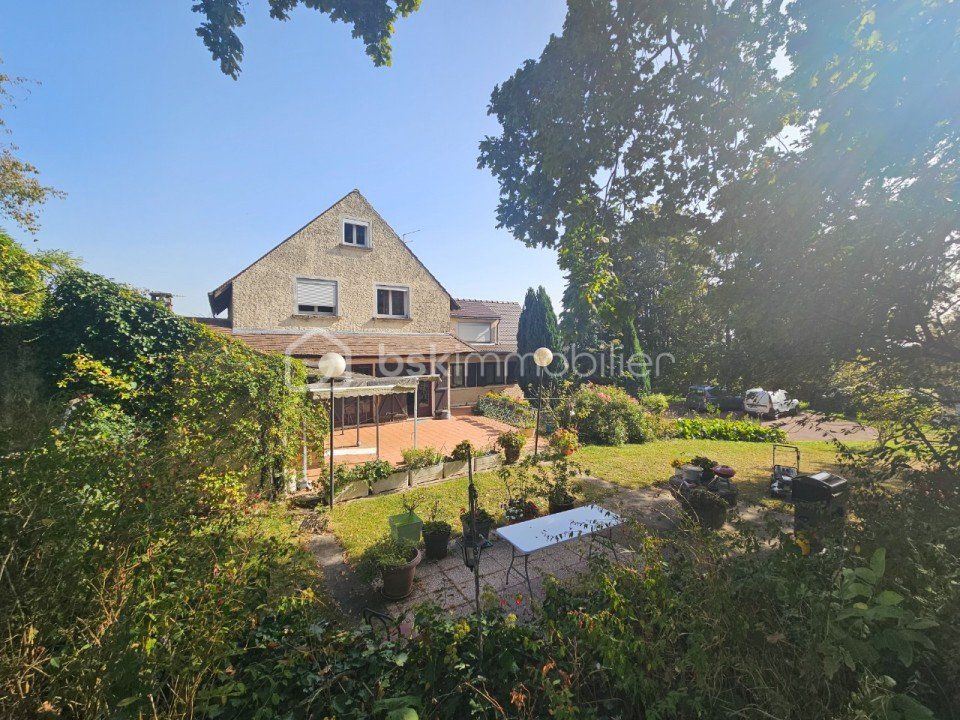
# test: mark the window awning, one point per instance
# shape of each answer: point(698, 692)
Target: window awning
point(353, 384)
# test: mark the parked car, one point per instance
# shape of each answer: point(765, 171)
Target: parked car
point(699, 397)
point(769, 403)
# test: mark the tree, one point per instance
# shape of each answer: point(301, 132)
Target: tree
point(537, 328)
point(615, 140)
point(817, 193)
point(372, 20)
point(21, 191)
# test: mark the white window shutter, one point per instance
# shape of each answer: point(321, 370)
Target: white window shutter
point(321, 293)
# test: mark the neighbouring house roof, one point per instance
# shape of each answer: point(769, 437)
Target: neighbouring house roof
point(220, 298)
point(508, 313)
point(304, 343)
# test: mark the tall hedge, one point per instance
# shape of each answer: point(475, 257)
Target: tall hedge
point(538, 328)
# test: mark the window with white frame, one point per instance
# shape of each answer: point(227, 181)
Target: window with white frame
point(475, 332)
point(356, 232)
point(393, 301)
point(316, 297)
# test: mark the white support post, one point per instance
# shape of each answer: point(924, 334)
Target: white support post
point(416, 411)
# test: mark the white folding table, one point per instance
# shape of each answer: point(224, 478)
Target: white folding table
point(525, 538)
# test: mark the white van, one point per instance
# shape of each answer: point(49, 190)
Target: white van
point(769, 403)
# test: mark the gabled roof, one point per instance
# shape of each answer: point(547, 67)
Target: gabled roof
point(508, 313)
point(220, 298)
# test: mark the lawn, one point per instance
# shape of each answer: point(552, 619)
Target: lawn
point(360, 523)
point(638, 466)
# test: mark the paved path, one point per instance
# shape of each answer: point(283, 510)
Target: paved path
point(814, 426)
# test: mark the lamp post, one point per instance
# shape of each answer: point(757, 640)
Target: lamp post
point(331, 366)
point(542, 357)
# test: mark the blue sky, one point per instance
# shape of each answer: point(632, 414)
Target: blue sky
point(177, 176)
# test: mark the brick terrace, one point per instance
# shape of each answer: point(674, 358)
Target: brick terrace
point(443, 435)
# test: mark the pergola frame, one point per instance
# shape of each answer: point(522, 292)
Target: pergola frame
point(358, 385)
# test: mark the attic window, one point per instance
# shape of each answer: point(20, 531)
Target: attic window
point(475, 332)
point(316, 297)
point(356, 233)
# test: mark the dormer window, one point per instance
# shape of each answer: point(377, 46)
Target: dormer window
point(356, 233)
point(479, 333)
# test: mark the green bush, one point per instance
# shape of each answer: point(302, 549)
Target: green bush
point(134, 555)
point(700, 428)
point(608, 415)
point(694, 627)
point(464, 450)
point(416, 458)
point(506, 409)
point(657, 403)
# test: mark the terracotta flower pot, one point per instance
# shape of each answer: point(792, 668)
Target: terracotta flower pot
point(398, 581)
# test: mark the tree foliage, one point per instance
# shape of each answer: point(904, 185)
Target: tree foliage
point(774, 181)
point(537, 328)
point(372, 21)
point(21, 192)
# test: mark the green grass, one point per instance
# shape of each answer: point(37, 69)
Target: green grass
point(638, 466)
point(361, 523)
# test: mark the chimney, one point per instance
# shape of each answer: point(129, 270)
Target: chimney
point(164, 298)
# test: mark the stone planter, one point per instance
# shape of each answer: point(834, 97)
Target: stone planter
point(452, 468)
point(425, 475)
point(352, 491)
point(406, 526)
point(487, 462)
point(398, 581)
point(391, 482)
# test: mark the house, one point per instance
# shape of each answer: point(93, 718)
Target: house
point(346, 282)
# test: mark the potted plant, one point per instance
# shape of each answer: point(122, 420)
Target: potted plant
point(436, 534)
point(484, 525)
point(407, 525)
point(489, 460)
point(512, 443)
point(564, 442)
point(559, 497)
point(708, 508)
point(383, 477)
point(395, 562)
point(425, 464)
point(519, 509)
point(358, 481)
point(459, 459)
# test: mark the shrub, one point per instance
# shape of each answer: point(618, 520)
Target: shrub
point(370, 472)
point(564, 442)
point(464, 450)
point(506, 409)
point(416, 458)
point(700, 428)
point(607, 415)
point(657, 403)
